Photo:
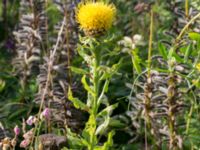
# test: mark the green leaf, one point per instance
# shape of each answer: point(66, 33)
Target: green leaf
point(178, 58)
point(187, 53)
point(170, 54)
point(136, 62)
point(115, 123)
point(86, 86)
point(162, 49)
point(109, 72)
point(81, 50)
point(108, 110)
point(89, 130)
point(105, 89)
point(75, 141)
point(17, 113)
point(78, 70)
point(174, 55)
point(102, 127)
point(194, 36)
point(77, 103)
point(2, 85)
point(109, 142)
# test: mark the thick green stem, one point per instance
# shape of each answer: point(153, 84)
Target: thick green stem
point(96, 85)
point(96, 95)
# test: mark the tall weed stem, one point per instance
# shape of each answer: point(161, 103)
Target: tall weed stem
point(148, 86)
point(96, 94)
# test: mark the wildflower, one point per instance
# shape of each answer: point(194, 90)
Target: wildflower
point(95, 17)
point(30, 120)
point(198, 67)
point(24, 143)
point(28, 135)
point(46, 113)
point(138, 39)
point(17, 130)
point(130, 44)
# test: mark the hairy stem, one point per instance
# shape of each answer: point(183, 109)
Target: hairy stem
point(96, 96)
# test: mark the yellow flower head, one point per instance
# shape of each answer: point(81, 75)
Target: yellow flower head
point(198, 67)
point(95, 17)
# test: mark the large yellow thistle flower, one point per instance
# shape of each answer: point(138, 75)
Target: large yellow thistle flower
point(95, 17)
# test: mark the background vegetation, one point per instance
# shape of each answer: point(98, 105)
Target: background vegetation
point(150, 58)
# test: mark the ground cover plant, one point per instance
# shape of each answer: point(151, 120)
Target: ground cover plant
point(100, 74)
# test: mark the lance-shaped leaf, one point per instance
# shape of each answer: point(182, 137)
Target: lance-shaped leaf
point(108, 144)
point(108, 110)
point(90, 129)
point(187, 53)
point(105, 89)
point(102, 127)
point(109, 72)
point(83, 54)
point(2, 85)
point(136, 61)
point(77, 103)
point(194, 36)
point(75, 140)
point(163, 50)
point(78, 70)
point(86, 86)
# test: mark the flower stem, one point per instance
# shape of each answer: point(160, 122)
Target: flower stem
point(96, 84)
point(96, 95)
point(150, 44)
point(148, 85)
point(186, 27)
point(187, 8)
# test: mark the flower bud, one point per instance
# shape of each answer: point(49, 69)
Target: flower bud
point(17, 130)
point(29, 121)
point(24, 143)
point(46, 113)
